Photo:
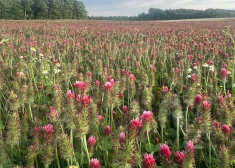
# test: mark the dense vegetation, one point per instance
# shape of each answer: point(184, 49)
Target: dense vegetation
point(100, 94)
point(172, 14)
point(42, 9)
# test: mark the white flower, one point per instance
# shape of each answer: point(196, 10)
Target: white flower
point(195, 67)
point(189, 70)
point(56, 71)
point(41, 55)
point(57, 64)
point(189, 76)
point(44, 71)
point(212, 68)
point(205, 65)
point(33, 49)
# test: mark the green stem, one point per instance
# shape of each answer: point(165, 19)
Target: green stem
point(81, 153)
point(178, 133)
point(30, 113)
point(148, 137)
point(224, 83)
point(12, 155)
point(68, 163)
point(209, 139)
point(71, 140)
point(37, 163)
point(204, 158)
point(186, 119)
point(57, 156)
point(162, 134)
point(86, 149)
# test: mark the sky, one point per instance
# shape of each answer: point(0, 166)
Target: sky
point(135, 7)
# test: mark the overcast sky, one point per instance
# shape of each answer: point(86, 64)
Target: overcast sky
point(135, 7)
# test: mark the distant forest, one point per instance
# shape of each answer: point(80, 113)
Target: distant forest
point(42, 9)
point(172, 14)
point(75, 9)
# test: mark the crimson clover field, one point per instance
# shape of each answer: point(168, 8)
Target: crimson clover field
point(109, 94)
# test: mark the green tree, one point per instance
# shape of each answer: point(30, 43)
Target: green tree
point(67, 9)
point(5, 7)
point(79, 10)
point(40, 9)
point(54, 11)
point(27, 6)
point(16, 10)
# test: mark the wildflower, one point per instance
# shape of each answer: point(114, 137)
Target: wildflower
point(111, 81)
point(125, 109)
point(165, 151)
point(149, 160)
point(97, 83)
point(33, 49)
point(212, 68)
point(190, 146)
point(78, 98)
point(177, 70)
point(225, 129)
point(120, 95)
point(199, 119)
point(210, 62)
point(18, 74)
point(35, 131)
point(70, 95)
point(193, 77)
point(108, 86)
point(146, 116)
point(223, 73)
point(80, 85)
point(122, 137)
point(123, 72)
point(189, 70)
point(137, 64)
point(205, 105)
point(114, 113)
point(107, 130)
point(132, 77)
point(53, 114)
point(188, 76)
point(94, 163)
point(40, 87)
point(198, 100)
point(45, 71)
point(135, 124)
point(48, 130)
point(57, 71)
point(205, 65)
point(151, 67)
point(100, 118)
point(85, 101)
point(216, 124)
point(165, 89)
point(179, 157)
point(91, 141)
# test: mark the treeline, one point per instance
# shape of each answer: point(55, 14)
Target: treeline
point(42, 9)
point(172, 14)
